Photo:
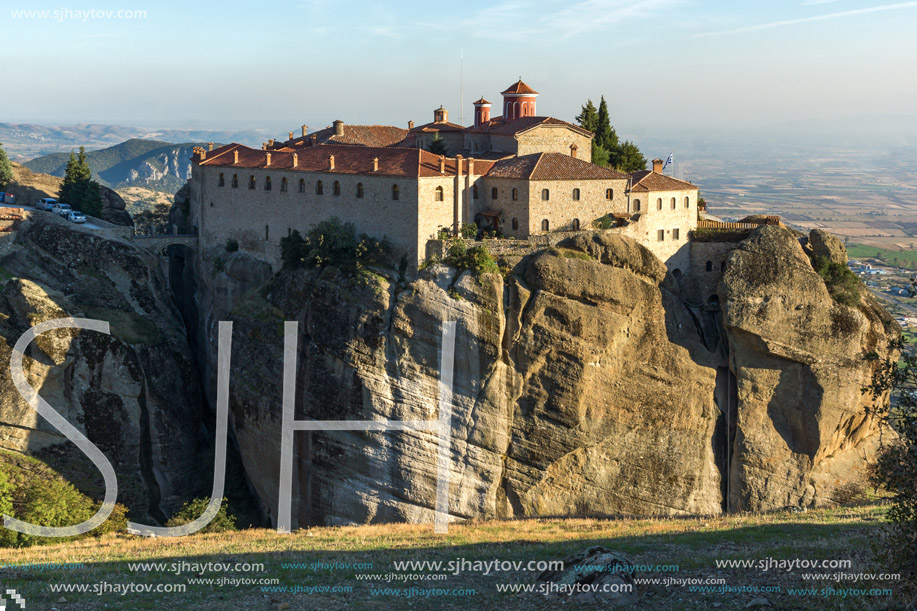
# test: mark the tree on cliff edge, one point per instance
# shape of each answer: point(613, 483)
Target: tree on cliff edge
point(79, 190)
point(6, 170)
point(894, 387)
point(607, 149)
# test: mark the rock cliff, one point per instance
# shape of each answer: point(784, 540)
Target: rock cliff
point(584, 384)
point(135, 394)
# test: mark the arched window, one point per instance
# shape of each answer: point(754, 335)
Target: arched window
point(302, 185)
point(659, 204)
point(439, 194)
point(609, 193)
point(493, 193)
point(235, 181)
point(474, 191)
point(636, 205)
point(515, 194)
point(395, 193)
point(576, 195)
point(709, 266)
point(359, 189)
point(251, 182)
point(545, 225)
point(336, 187)
point(319, 188)
point(687, 202)
point(673, 203)
point(722, 266)
point(515, 223)
point(545, 195)
point(267, 233)
point(575, 224)
point(283, 185)
point(222, 182)
point(267, 183)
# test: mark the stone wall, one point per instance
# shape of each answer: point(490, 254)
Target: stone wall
point(258, 218)
point(561, 210)
point(674, 223)
point(702, 284)
point(554, 139)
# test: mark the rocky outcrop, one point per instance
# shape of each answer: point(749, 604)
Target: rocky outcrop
point(800, 428)
point(824, 244)
point(114, 209)
point(583, 386)
point(134, 393)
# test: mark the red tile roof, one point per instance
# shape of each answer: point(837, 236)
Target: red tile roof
point(498, 126)
point(647, 180)
point(361, 135)
point(520, 87)
point(402, 162)
point(481, 101)
point(551, 166)
point(439, 126)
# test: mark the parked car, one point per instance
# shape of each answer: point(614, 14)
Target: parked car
point(53, 208)
point(45, 203)
point(64, 209)
point(76, 216)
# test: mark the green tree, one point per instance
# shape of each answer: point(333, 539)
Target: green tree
point(605, 134)
point(79, 190)
point(894, 390)
point(437, 147)
point(223, 521)
point(600, 155)
point(628, 158)
point(588, 117)
point(6, 170)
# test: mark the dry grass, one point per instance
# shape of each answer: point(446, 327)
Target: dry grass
point(693, 544)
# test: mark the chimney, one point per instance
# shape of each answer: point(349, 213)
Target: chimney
point(235, 156)
point(331, 162)
point(270, 143)
point(573, 149)
point(203, 154)
point(410, 125)
point(458, 165)
point(338, 128)
point(291, 135)
point(375, 164)
point(305, 130)
point(264, 146)
point(210, 146)
point(295, 160)
point(442, 164)
point(471, 166)
point(657, 166)
point(268, 160)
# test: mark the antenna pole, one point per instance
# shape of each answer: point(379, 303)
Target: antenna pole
point(462, 88)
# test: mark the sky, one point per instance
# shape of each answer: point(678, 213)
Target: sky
point(276, 65)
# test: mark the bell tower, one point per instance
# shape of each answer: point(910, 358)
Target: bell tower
point(481, 112)
point(519, 101)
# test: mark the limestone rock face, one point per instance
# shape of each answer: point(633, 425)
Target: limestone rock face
point(133, 393)
point(114, 209)
point(800, 426)
point(584, 384)
point(824, 244)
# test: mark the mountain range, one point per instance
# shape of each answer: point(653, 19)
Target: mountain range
point(151, 164)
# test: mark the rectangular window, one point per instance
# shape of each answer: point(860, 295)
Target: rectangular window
point(660, 235)
point(675, 235)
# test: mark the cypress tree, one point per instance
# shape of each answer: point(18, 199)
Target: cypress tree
point(587, 118)
point(6, 170)
point(79, 190)
point(604, 133)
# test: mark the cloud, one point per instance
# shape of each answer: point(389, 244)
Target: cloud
point(838, 15)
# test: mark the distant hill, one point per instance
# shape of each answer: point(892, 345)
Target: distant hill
point(25, 141)
point(149, 164)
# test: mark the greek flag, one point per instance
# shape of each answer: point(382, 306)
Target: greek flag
point(671, 159)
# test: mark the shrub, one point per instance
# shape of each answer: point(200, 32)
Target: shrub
point(223, 521)
point(606, 222)
point(477, 258)
point(232, 245)
point(842, 283)
point(470, 231)
point(332, 242)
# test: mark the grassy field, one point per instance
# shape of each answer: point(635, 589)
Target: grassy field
point(863, 251)
point(694, 545)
